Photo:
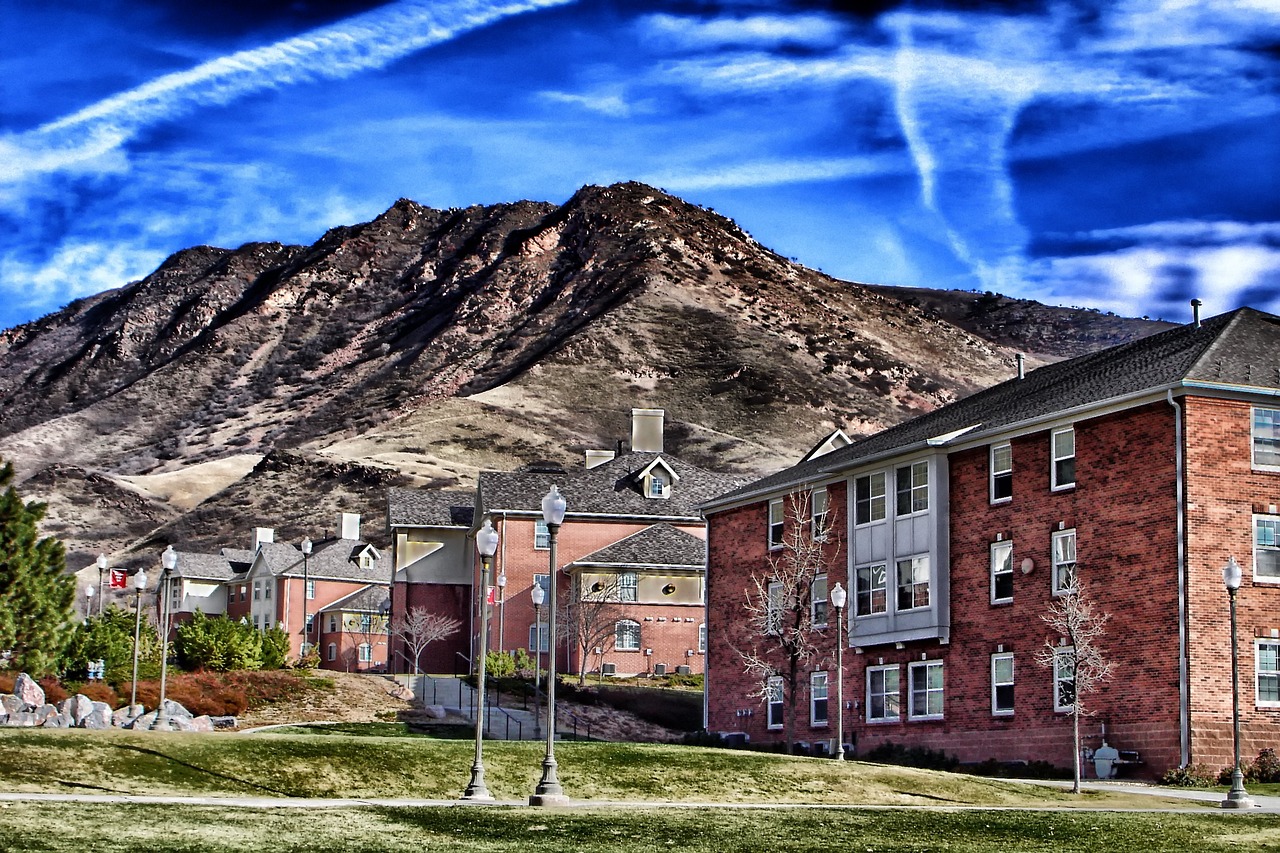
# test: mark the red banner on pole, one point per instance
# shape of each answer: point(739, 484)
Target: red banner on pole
point(119, 580)
point(492, 597)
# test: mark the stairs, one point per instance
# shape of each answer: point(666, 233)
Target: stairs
point(509, 720)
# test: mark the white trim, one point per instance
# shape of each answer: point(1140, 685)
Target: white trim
point(898, 585)
point(1253, 437)
point(633, 634)
point(1058, 535)
point(1271, 673)
point(814, 601)
point(883, 498)
point(992, 473)
point(1273, 522)
point(888, 698)
point(774, 688)
point(912, 488)
point(1059, 654)
point(1054, 459)
point(1000, 657)
point(814, 679)
point(883, 589)
point(773, 608)
point(927, 666)
point(996, 548)
point(776, 542)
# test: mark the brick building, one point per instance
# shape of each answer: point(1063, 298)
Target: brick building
point(1139, 470)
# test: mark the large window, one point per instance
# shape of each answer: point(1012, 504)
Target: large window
point(870, 595)
point(1001, 473)
point(1001, 572)
point(1064, 679)
point(539, 639)
point(1064, 458)
point(775, 607)
point(913, 582)
point(366, 653)
point(257, 590)
point(818, 699)
point(925, 700)
point(1266, 547)
point(541, 535)
point(543, 581)
point(869, 500)
point(819, 503)
point(773, 689)
point(1064, 561)
point(1266, 438)
point(913, 488)
point(818, 600)
point(1002, 684)
point(883, 702)
point(627, 636)
point(1267, 665)
point(776, 519)
point(311, 589)
point(366, 623)
point(627, 583)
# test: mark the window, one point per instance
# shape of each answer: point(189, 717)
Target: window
point(819, 506)
point(818, 699)
point(242, 592)
point(311, 589)
point(366, 653)
point(883, 702)
point(266, 590)
point(1064, 458)
point(913, 582)
point(702, 638)
point(175, 596)
point(775, 524)
point(868, 494)
point(1001, 572)
point(925, 699)
point(539, 639)
point(627, 636)
point(627, 582)
point(1266, 547)
point(1001, 473)
point(366, 623)
point(333, 652)
point(1002, 684)
point(543, 581)
point(870, 595)
point(333, 624)
point(775, 607)
point(257, 590)
point(311, 620)
point(366, 560)
point(1064, 561)
point(773, 689)
point(541, 535)
point(913, 488)
point(1064, 679)
point(1266, 438)
point(1267, 665)
point(818, 600)
point(657, 485)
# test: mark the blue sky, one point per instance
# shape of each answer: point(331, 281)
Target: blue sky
point(1119, 155)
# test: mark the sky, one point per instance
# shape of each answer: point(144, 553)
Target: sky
point(1118, 155)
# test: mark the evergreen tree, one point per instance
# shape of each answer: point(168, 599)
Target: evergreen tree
point(109, 638)
point(37, 597)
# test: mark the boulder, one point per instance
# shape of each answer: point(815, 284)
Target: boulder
point(44, 712)
point(436, 712)
point(181, 724)
point(123, 717)
point(26, 689)
point(143, 722)
point(202, 723)
point(77, 708)
point(58, 721)
point(224, 722)
point(175, 709)
point(99, 716)
point(11, 704)
point(22, 718)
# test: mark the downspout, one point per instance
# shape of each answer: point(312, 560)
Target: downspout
point(1184, 683)
point(706, 625)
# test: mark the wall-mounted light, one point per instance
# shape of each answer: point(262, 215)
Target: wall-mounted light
point(597, 587)
point(669, 589)
point(1028, 565)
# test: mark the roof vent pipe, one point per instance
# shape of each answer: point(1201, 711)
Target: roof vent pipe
point(1022, 365)
point(1195, 312)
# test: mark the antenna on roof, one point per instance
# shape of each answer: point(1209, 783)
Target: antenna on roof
point(1195, 312)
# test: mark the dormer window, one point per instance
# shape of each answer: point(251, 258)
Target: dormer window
point(657, 486)
point(657, 480)
point(366, 560)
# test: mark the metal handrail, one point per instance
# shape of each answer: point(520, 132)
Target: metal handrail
point(509, 720)
point(576, 719)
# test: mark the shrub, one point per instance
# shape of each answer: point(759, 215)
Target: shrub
point(1190, 776)
point(1266, 767)
point(218, 643)
point(275, 648)
point(913, 756)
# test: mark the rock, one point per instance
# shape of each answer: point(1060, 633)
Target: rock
point(99, 716)
point(11, 704)
point(43, 713)
point(58, 721)
point(142, 722)
point(436, 712)
point(77, 708)
point(202, 723)
point(26, 689)
point(120, 718)
point(223, 722)
point(175, 709)
point(22, 718)
point(181, 724)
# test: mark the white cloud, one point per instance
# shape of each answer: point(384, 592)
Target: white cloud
point(765, 173)
point(77, 268)
point(610, 104)
point(689, 32)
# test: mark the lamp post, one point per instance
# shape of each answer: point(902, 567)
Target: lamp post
point(549, 792)
point(306, 594)
point(102, 567)
point(139, 586)
point(539, 595)
point(1237, 797)
point(88, 602)
point(838, 599)
point(169, 561)
point(487, 546)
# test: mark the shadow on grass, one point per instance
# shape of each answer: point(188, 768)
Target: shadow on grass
point(206, 771)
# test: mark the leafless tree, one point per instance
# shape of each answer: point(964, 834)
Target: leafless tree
point(1077, 660)
point(419, 628)
point(779, 604)
point(589, 619)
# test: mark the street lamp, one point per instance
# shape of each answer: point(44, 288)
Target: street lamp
point(549, 792)
point(539, 595)
point(487, 546)
point(88, 602)
point(102, 567)
point(306, 594)
point(1237, 797)
point(169, 562)
point(139, 587)
point(838, 599)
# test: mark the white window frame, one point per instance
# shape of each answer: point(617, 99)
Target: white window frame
point(1001, 471)
point(333, 624)
point(257, 590)
point(333, 652)
point(1266, 543)
point(628, 586)
point(366, 623)
point(777, 523)
point(819, 696)
point(872, 507)
point(1063, 673)
point(916, 489)
point(1057, 458)
point(541, 535)
point(310, 589)
point(626, 635)
point(1271, 673)
point(1001, 569)
point(1265, 431)
point(913, 565)
point(311, 621)
point(930, 691)
point(538, 634)
point(819, 506)
point(1059, 567)
point(878, 678)
point(773, 613)
point(657, 486)
point(364, 653)
point(544, 581)
point(775, 708)
point(702, 638)
point(818, 601)
point(266, 590)
point(1003, 679)
point(876, 577)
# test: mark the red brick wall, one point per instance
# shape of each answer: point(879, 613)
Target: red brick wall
point(440, 657)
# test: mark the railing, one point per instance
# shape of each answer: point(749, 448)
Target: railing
point(576, 720)
point(466, 669)
point(507, 721)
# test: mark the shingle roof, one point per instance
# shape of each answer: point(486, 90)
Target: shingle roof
point(657, 546)
point(239, 558)
point(609, 489)
point(430, 508)
point(369, 599)
point(205, 567)
point(1240, 348)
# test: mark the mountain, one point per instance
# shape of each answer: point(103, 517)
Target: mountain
point(275, 385)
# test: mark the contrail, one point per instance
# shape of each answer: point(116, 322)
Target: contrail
point(360, 43)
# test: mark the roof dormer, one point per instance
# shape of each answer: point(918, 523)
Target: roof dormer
point(657, 479)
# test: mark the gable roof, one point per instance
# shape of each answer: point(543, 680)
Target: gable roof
point(659, 546)
point(366, 599)
point(1236, 350)
point(430, 508)
point(205, 567)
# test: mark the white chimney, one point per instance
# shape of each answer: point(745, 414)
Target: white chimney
point(263, 535)
point(646, 430)
point(596, 458)
point(349, 525)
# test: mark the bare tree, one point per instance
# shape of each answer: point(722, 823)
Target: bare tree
point(419, 628)
point(1079, 664)
point(780, 603)
point(590, 618)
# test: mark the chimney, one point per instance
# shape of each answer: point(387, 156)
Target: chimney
point(349, 525)
point(263, 535)
point(1195, 312)
point(596, 458)
point(646, 430)
point(1022, 365)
